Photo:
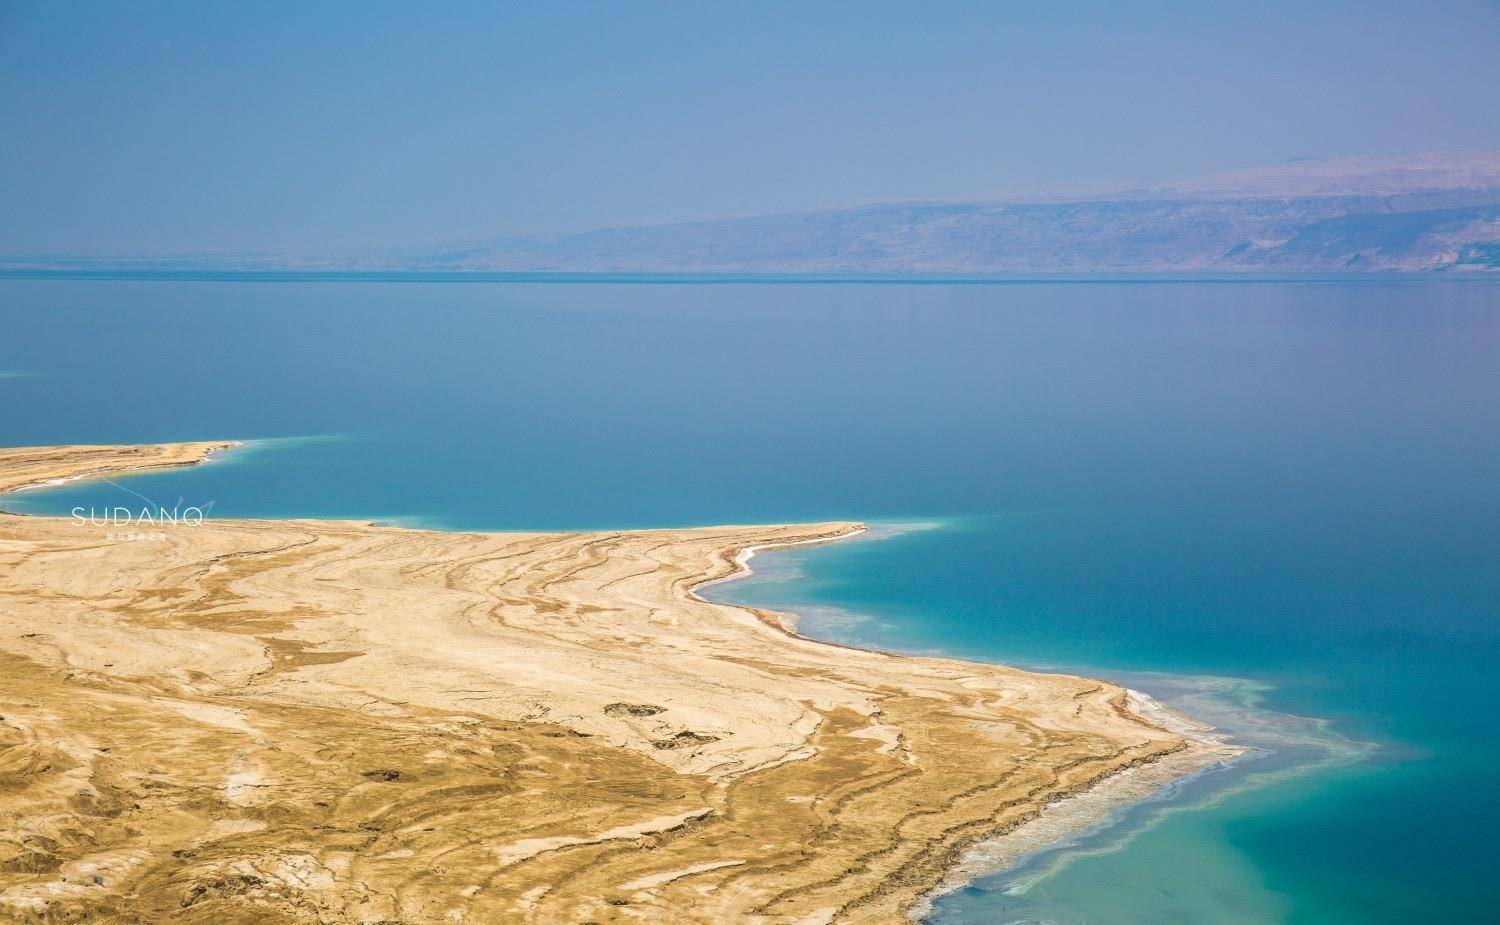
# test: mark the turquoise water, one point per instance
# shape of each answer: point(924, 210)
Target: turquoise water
point(1274, 503)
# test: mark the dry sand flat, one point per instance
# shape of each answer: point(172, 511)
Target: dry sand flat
point(35, 466)
point(332, 722)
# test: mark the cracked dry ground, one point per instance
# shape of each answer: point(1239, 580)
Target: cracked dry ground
point(316, 722)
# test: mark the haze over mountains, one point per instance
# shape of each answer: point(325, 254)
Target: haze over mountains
point(1419, 212)
point(1415, 212)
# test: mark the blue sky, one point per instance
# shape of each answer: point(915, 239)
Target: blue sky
point(144, 127)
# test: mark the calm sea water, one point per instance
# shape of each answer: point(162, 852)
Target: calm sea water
point(1275, 503)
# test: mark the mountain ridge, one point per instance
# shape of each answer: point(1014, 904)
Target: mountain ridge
point(1402, 213)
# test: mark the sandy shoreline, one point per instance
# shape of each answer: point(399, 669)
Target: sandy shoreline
point(302, 721)
point(1061, 818)
point(787, 622)
point(27, 468)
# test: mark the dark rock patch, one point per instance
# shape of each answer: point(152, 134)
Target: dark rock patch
point(633, 709)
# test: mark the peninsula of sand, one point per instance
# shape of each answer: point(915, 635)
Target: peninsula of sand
point(334, 722)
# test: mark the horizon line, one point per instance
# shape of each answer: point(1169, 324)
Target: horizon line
point(770, 277)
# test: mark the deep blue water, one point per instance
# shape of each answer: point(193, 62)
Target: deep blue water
point(1294, 486)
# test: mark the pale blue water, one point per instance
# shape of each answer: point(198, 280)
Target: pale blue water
point(1291, 485)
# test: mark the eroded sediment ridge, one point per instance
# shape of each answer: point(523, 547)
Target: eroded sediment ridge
point(312, 721)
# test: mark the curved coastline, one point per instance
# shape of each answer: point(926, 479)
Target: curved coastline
point(1179, 748)
point(1270, 749)
point(784, 621)
point(1063, 818)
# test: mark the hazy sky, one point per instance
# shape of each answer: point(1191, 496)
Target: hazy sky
point(140, 127)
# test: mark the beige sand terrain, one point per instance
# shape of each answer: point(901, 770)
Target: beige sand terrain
point(325, 722)
point(36, 466)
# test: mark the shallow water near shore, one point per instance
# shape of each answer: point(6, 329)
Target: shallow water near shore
point(1273, 505)
point(1220, 846)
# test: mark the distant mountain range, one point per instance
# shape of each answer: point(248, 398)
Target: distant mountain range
point(1422, 212)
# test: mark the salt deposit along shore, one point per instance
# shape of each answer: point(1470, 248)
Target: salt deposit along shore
point(320, 721)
